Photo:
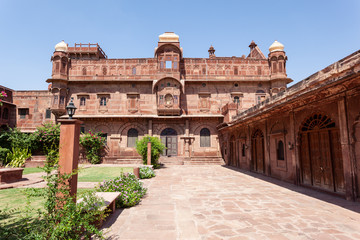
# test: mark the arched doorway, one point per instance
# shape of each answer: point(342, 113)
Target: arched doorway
point(320, 154)
point(169, 138)
point(257, 145)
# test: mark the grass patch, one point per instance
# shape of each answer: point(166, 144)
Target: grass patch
point(99, 174)
point(32, 170)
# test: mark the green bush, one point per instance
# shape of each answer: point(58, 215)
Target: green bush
point(17, 157)
point(3, 154)
point(157, 148)
point(146, 172)
point(130, 188)
point(93, 144)
point(46, 138)
point(19, 139)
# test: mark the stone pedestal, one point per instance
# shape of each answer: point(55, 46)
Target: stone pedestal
point(69, 150)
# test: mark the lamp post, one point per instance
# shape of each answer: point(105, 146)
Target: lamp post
point(70, 108)
point(69, 146)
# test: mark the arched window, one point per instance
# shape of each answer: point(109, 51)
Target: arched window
point(103, 101)
point(104, 71)
point(134, 70)
point(84, 71)
point(243, 150)
point(205, 137)
point(5, 113)
point(132, 136)
point(280, 150)
point(82, 101)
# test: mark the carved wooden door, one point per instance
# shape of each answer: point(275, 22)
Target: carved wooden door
point(169, 138)
point(258, 151)
point(320, 154)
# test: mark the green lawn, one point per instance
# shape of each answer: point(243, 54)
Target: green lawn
point(16, 199)
point(31, 170)
point(99, 174)
point(91, 174)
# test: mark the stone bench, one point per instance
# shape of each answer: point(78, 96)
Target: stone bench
point(109, 199)
point(10, 174)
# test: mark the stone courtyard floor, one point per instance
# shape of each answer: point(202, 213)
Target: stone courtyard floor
point(215, 202)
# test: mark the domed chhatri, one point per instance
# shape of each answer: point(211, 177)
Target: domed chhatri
point(276, 46)
point(61, 47)
point(169, 37)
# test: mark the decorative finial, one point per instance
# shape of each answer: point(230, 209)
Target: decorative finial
point(211, 52)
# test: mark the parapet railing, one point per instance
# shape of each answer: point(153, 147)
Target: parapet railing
point(89, 46)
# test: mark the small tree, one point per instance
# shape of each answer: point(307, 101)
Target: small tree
point(93, 144)
point(157, 148)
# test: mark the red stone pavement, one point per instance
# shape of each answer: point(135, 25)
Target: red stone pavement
point(215, 202)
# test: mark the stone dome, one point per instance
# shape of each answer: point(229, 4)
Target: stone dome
point(169, 37)
point(61, 47)
point(276, 46)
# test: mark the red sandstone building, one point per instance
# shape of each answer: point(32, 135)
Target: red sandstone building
point(209, 110)
point(177, 99)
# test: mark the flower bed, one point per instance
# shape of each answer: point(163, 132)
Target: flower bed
point(129, 186)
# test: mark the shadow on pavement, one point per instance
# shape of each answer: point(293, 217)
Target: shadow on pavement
point(318, 194)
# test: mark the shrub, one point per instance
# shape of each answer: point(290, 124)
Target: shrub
point(17, 157)
point(93, 144)
point(47, 137)
point(62, 218)
point(130, 188)
point(146, 172)
point(19, 139)
point(157, 148)
point(3, 154)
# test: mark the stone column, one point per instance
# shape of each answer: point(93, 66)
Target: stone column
point(292, 153)
point(69, 150)
point(345, 149)
point(187, 140)
point(150, 133)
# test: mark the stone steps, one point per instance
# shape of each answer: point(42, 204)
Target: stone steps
point(116, 160)
point(205, 161)
point(171, 160)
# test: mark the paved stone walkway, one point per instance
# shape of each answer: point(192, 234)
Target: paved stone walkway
point(214, 202)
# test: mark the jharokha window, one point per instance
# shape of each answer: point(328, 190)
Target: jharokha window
point(169, 100)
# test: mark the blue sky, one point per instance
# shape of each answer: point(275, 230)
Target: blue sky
point(315, 33)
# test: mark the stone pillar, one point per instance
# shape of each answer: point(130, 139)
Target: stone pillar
point(187, 140)
point(69, 150)
point(150, 133)
point(267, 160)
point(345, 149)
point(149, 153)
point(187, 127)
point(292, 154)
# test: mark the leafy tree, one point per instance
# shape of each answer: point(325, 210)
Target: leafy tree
point(157, 148)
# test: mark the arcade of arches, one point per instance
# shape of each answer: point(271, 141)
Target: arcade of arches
point(309, 135)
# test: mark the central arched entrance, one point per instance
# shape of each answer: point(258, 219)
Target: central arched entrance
point(320, 154)
point(169, 138)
